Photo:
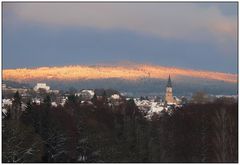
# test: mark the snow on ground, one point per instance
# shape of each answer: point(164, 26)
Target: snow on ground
point(227, 96)
point(177, 99)
point(6, 102)
point(87, 102)
point(54, 104)
point(63, 101)
point(156, 107)
point(4, 111)
point(149, 107)
point(139, 102)
point(36, 100)
point(143, 105)
point(82, 158)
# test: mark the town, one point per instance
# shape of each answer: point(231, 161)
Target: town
point(148, 105)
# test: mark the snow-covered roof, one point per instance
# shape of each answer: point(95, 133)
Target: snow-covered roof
point(177, 99)
point(86, 102)
point(41, 86)
point(54, 104)
point(169, 103)
point(115, 96)
point(139, 102)
point(155, 107)
point(4, 111)
point(91, 92)
point(36, 100)
point(7, 102)
point(150, 106)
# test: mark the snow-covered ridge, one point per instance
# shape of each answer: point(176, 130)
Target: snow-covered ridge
point(99, 72)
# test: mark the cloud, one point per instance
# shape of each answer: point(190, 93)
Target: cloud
point(186, 21)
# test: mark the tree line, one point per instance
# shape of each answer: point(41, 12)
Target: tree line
point(98, 133)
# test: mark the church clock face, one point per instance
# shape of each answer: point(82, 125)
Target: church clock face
point(169, 89)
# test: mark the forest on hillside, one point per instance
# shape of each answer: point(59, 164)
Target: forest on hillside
point(99, 133)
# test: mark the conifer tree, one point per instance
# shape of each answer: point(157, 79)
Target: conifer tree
point(16, 109)
point(47, 101)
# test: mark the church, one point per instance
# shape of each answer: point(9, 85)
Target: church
point(169, 93)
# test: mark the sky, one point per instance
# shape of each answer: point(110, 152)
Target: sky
point(201, 36)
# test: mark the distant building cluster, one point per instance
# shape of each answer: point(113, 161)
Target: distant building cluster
point(40, 90)
point(43, 87)
point(13, 90)
point(148, 105)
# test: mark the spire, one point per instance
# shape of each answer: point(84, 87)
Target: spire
point(169, 83)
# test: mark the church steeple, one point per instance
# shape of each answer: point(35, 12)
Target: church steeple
point(169, 92)
point(169, 83)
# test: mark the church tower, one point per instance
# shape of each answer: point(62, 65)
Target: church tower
point(169, 92)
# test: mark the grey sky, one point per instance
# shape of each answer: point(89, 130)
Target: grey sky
point(195, 32)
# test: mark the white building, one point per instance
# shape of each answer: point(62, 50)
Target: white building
point(41, 86)
point(54, 91)
point(85, 94)
point(115, 100)
point(115, 97)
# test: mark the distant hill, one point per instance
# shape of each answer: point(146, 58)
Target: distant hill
point(15, 84)
point(131, 72)
point(133, 80)
point(109, 92)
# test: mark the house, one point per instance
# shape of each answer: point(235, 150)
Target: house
point(85, 94)
point(41, 86)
